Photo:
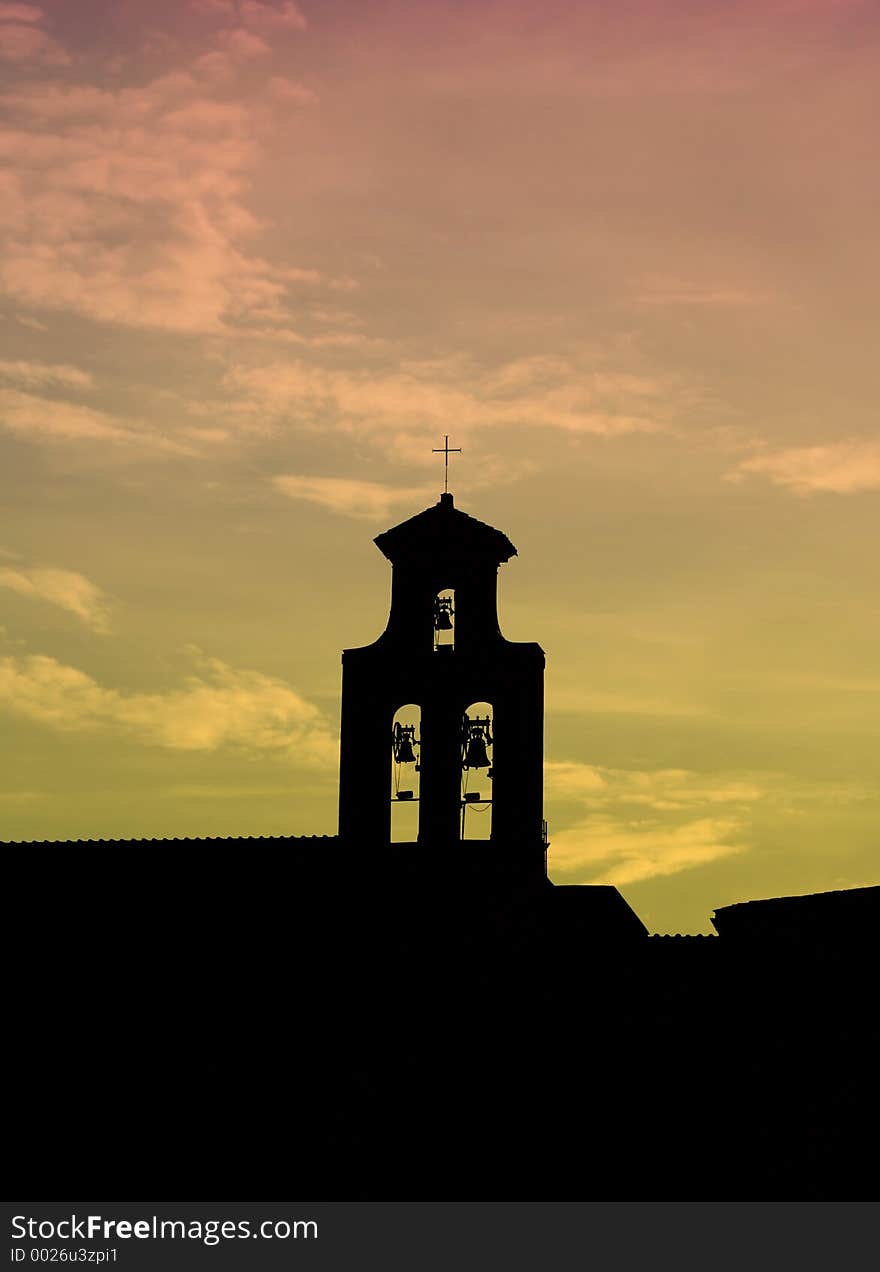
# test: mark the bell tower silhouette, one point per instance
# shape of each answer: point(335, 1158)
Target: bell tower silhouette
point(438, 551)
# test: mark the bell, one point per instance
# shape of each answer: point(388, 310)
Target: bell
point(402, 740)
point(475, 755)
point(443, 614)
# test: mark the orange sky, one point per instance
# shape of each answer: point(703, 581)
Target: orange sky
point(258, 258)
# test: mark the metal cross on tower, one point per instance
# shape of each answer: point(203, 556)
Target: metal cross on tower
point(446, 450)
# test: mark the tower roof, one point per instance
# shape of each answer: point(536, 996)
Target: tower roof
point(444, 529)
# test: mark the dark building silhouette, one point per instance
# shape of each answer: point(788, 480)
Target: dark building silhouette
point(346, 1017)
point(802, 925)
point(443, 550)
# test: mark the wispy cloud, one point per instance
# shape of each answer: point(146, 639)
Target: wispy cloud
point(219, 706)
point(37, 374)
point(841, 468)
point(623, 826)
point(605, 849)
point(65, 588)
point(24, 39)
point(127, 205)
point(401, 408)
point(40, 419)
point(34, 324)
point(351, 497)
point(667, 790)
point(643, 824)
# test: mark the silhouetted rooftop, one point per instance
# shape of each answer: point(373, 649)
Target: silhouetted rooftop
point(851, 911)
point(443, 528)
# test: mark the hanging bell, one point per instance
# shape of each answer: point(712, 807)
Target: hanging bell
point(476, 736)
point(402, 739)
point(475, 756)
point(443, 612)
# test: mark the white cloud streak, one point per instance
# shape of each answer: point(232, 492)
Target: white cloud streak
point(219, 707)
point(350, 497)
point(645, 824)
point(420, 399)
point(841, 468)
point(668, 790)
point(67, 589)
point(39, 419)
point(607, 850)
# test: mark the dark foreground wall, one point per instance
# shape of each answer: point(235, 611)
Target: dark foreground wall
point(262, 1019)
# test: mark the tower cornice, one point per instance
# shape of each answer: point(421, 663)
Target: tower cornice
point(443, 531)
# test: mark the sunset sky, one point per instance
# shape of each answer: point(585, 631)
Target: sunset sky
point(259, 257)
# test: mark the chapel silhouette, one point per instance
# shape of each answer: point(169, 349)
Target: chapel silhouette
point(444, 581)
point(363, 1017)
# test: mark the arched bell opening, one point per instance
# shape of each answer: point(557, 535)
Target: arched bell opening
point(477, 745)
point(444, 620)
point(406, 732)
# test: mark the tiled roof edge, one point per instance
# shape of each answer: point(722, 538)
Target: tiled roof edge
point(179, 839)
